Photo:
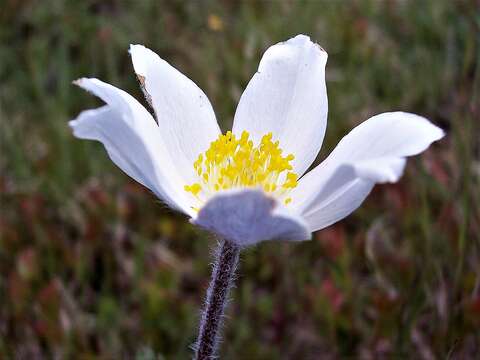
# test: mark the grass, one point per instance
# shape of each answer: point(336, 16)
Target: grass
point(92, 266)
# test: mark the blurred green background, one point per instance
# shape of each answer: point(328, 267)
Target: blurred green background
point(92, 266)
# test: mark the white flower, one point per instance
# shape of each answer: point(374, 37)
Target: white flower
point(247, 185)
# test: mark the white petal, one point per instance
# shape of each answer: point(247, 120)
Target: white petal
point(339, 205)
point(185, 117)
point(373, 152)
point(247, 217)
point(132, 140)
point(288, 97)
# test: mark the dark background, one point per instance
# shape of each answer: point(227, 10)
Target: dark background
point(92, 266)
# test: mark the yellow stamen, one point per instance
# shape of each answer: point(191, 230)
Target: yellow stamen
point(236, 163)
point(194, 188)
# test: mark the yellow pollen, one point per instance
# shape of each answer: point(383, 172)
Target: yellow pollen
point(232, 162)
point(194, 189)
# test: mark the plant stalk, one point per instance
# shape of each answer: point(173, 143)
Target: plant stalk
point(226, 261)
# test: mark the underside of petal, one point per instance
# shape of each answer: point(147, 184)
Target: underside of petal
point(247, 217)
point(132, 140)
point(373, 152)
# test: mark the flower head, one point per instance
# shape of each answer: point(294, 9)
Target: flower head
point(250, 184)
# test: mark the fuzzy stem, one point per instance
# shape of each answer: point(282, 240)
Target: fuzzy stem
point(222, 279)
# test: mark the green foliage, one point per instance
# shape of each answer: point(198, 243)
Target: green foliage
point(92, 266)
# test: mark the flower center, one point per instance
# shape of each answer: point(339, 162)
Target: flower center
point(231, 163)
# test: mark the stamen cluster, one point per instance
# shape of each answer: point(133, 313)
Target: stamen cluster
point(232, 163)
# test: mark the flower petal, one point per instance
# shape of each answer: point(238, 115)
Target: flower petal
point(339, 205)
point(373, 152)
point(288, 97)
point(185, 116)
point(133, 142)
point(247, 217)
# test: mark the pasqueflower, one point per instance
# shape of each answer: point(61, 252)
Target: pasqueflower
point(250, 184)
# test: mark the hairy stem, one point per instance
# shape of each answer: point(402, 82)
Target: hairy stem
point(222, 279)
